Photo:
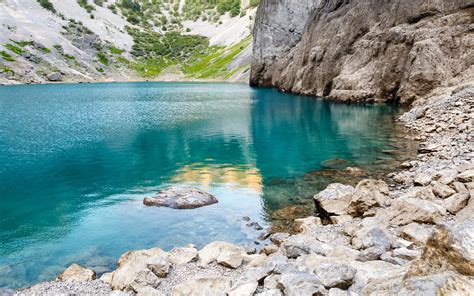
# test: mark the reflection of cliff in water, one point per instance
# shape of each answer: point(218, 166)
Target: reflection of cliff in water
point(298, 135)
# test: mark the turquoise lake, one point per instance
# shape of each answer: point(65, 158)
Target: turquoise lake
point(76, 161)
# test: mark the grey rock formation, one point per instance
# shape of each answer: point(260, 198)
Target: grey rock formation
point(363, 50)
point(181, 198)
point(279, 26)
point(55, 76)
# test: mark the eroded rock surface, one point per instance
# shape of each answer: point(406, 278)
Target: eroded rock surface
point(363, 50)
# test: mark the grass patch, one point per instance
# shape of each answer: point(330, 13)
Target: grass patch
point(149, 68)
point(6, 70)
point(116, 50)
point(6, 56)
point(22, 43)
point(102, 58)
point(213, 63)
point(69, 57)
point(14, 48)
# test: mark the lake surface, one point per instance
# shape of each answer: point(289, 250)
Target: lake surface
point(76, 162)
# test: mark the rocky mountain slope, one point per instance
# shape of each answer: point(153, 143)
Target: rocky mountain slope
point(123, 40)
point(363, 50)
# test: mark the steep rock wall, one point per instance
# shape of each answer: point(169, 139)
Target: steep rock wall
point(278, 27)
point(369, 50)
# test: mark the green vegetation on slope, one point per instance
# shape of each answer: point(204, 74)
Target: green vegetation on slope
point(214, 63)
point(47, 5)
point(84, 4)
point(154, 51)
point(6, 56)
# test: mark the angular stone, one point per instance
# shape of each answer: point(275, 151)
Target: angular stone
point(466, 176)
point(297, 245)
point(406, 254)
point(215, 286)
point(147, 291)
point(368, 194)
point(270, 249)
point(447, 176)
point(456, 202)
point(144, 278)
point(422, 179)
point(450, 248)
point(417, 233)
point(226, 254)
point(441, 190)
point(158, 265)
point(181, 198)
point(337, 292)
point(132, 270)
point(179, 256)
point(297, 284)
point(279, 237)
point(243, 289)
point(77, 273)
point(335, 275)
point(55, 76)
point(370, 254)
point(270, 292)
point(407, 210)
point(373, 237)
point(305, 225)
point(335, 199)
point(340, 219)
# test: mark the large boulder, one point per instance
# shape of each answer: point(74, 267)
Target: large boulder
point(368, 194)
point(181, 198)
point(179, 256)
point(55, 76)
point(226, 254)
point(335, 275)
point(77, 273)
point(372, 237)
point(450, 248)
point(134, 270)
point(335, 199)
point(407, 210)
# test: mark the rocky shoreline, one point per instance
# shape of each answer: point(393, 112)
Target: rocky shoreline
point(412, 238)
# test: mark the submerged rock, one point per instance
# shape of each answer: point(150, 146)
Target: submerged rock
point(181, 198)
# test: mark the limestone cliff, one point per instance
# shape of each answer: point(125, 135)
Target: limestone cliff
point(363, 50)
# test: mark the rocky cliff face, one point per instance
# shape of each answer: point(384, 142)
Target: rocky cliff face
point(363, 50)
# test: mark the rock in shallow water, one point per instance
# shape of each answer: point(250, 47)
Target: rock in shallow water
point(181, 198)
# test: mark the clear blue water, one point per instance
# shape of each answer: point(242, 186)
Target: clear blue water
point(77, 160)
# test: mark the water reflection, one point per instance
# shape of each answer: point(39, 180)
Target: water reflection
point(79, 159)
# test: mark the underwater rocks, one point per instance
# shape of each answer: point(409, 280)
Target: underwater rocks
point(181, 198)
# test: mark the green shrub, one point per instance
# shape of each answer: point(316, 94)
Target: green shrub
point(103, 58)
point(254, 3)
point(6, 70)
point(6, 56)
point(84, 4)
point(14, 48)
point(69, 57)
point(116, 50)
point(47, 5)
